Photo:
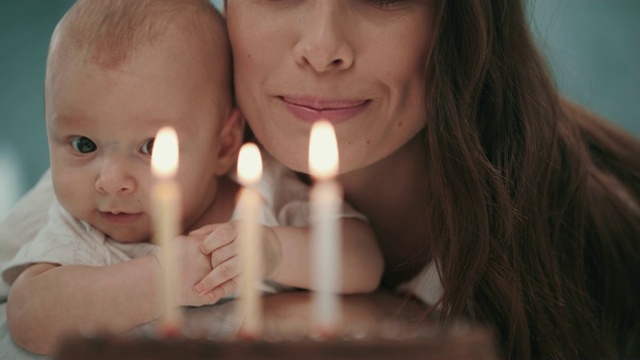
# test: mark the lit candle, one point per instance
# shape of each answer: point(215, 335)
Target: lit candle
point(326, 199)
point(249, 241)
point(167, 216)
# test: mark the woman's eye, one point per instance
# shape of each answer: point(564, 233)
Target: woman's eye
point(386, 3)
point(83, 145)
point(147, 147)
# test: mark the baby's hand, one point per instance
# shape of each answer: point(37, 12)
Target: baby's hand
point(192, 265)
point(220, 244)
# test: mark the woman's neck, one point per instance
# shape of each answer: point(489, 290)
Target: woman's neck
point(392, 194)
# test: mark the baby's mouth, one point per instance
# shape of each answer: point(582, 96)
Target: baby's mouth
point(117, 217)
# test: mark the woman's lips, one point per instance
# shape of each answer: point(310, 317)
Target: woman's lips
point(312, 109)
point(120, 218)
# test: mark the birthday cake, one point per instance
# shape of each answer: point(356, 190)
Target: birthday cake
point(445, 343)
point(376, 326)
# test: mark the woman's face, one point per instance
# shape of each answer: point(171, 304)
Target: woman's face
point(360, 64)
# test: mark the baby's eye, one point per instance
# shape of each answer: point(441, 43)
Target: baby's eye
point(147, 147)
point(83, 144)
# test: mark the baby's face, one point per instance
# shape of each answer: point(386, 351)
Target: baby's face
point(101, 124)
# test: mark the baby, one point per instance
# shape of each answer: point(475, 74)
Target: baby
point(118, 71)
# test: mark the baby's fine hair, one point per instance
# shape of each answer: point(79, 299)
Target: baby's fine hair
point(110, 31)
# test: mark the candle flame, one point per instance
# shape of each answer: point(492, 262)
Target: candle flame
point(164, 157)
point(323, 150)
point(249, 164)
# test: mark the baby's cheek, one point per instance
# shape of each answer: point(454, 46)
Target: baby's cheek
point(70, 191)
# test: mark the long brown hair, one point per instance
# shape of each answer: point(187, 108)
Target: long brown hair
point(535, 203)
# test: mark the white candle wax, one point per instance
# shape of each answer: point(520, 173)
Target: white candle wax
point(326, 200)
point(166, 215)
point(249, 242)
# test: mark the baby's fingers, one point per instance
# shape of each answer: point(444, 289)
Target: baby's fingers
point(224, 289)
point(205, 230)
point(221, 235)
point(219, 275)
point(223, 253)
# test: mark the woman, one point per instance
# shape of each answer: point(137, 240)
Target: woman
point(457, 146)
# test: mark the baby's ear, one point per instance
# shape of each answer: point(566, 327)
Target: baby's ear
point(231, 137)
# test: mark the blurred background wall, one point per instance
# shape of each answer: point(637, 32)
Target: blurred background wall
point(592, 46)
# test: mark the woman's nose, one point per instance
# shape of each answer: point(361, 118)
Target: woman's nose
point(114, 179)
point(323, 43)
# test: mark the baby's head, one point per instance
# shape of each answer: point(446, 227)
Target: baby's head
point(119, 70)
